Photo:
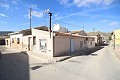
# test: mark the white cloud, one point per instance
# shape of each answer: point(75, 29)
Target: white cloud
point(14, 2)
point(26, 23)
point(37, 14)
point(3, 15)
point(107, 2)
point(16, 8)
point(4, 5)
point(86, 3)
point(3, 22)
point(66, 3)
point(114, 23)
point(103, 21)
point(57, 16)
point(33, 6)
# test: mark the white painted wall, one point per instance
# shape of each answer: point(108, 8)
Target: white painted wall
point(16, 36)
point(25, 42)
point(43, 35)
point(7, 39)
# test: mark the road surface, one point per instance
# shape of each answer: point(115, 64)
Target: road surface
point(100, 65)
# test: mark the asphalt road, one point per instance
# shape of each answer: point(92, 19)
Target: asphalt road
point(100, 65)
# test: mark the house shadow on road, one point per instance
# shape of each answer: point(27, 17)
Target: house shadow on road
point(14, 66)
point(91, 51)
point(85, 52)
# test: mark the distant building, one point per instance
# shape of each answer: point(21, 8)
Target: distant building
point(105, 37)
point(2, 41)
point(97, 36)
point(79, 32)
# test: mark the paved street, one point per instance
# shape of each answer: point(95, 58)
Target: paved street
point(100, 65)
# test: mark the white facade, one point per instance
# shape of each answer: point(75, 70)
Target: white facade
point(44, 43)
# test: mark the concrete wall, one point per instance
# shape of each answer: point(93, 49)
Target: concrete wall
point(117, 36)
point(15, 45)
point(90, 43)
point(39, 34)
point(62, 44)
point(26, 43)
point(78, 44)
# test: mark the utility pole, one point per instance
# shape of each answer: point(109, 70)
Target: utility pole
point(93, 31)
point(83, 27)
point(114, 42)
point(50, 14)
point(30, 20)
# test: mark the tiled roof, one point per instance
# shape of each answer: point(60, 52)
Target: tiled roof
point(44, 28)
point(92, 33)
point(70, 35)
point(25, 32)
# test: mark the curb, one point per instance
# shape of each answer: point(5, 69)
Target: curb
point(35, 56)
point(116, 52)
point(63, 59)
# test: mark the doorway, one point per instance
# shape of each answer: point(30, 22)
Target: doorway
point(29, 43)
point(72, 45)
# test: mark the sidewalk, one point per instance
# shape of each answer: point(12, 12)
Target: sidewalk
point(60, 58)
point(64, 57)
point(116, 51)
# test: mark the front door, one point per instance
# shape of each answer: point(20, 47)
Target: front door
point(29, 43)
point(72, 45)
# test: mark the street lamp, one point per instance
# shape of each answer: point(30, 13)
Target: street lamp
point(50, 14)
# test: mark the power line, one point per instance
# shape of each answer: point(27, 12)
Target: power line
point(67, 23)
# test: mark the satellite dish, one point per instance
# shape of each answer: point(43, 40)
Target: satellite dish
point(56, 27)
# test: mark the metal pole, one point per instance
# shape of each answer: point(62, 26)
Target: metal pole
point(93, 30)
point(30, 19)
point(50, 14)
point(114, 42)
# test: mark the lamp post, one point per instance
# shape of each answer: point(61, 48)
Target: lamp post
point(50, 14)
point(114, 42)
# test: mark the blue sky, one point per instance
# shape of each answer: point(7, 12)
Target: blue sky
point(103, 15)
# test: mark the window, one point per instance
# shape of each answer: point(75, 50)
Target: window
point(81, 44)
point(18, 40)
point(12, 40)
point(84, 41)
point(43, 45)
point(34, 40)
point(91, 42)
point(7, 42)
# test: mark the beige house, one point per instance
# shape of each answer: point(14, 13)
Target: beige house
point(56, 44)
point(7, 42)
point(116, 38)
point(97, 36)
point(79, 32)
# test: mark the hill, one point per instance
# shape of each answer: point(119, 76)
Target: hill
point(4, 33)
